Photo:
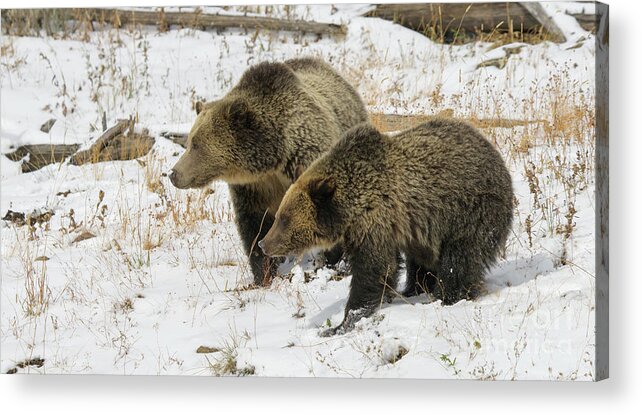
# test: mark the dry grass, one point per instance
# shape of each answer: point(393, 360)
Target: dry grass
point(224, 362)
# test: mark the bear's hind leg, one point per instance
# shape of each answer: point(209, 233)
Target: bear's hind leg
point(460, 274)
point(463, 262)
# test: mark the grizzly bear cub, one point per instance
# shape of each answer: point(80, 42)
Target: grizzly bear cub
point(439, 193)
point(277, 120)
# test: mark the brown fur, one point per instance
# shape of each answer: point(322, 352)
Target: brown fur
point(439, 193)
point(278, 119)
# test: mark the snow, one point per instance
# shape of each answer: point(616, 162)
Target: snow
point(164, 273)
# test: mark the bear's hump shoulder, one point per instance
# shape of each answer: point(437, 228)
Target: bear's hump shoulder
point(267, 78)
point(306, 63)
point(360, 135)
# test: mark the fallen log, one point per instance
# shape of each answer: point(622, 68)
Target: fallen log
point(120, 142)
point(36, 156)
point(164, 20)
point(109, 135)
point(393, 122)
point(450, 22)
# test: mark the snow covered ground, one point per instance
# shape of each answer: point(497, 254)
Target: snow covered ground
point(165, 271)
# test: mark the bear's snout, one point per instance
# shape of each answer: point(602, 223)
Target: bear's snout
point(268, 246)
point(173, 177)
point(178, 179)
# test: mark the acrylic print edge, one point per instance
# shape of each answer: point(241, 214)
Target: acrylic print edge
point(602, 193)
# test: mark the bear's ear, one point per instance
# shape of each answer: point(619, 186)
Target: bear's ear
point(321, 190)
point(198, 107)
point(240, 115)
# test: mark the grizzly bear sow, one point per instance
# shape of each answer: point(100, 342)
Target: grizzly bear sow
point(439, 193)
point(277, 120)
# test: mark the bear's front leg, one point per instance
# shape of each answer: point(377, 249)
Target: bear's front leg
point(253, 221)
point(373, 270)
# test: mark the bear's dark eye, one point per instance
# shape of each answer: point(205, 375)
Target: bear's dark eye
point(194, 146)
